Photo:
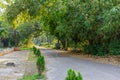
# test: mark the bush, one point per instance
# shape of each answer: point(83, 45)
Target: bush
point(40, 64)
point(96, 49)
point(36, 51)
point(71, 75)
point(112, 48)
point(40, 60)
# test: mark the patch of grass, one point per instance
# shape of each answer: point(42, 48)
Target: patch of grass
point(52, 46)
point(32, 77)
point(31, 56)
point(26, 48)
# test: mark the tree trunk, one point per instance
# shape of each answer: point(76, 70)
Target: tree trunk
point(15, 38)
point(76, 45)
point(58, 41)
point(64, 44)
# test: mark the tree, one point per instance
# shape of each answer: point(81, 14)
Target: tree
point(22, 11)
point(71, 21)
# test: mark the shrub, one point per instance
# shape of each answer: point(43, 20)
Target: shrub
point(112, 48)
point(96, 49)
point(71, 75)
point(40, 64)
point(40, 60)
point(36, 51)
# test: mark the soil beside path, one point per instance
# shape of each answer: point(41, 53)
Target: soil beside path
point(10, 72)
point(58, 64)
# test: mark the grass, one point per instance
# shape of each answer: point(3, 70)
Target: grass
point(49, 45)
point(31, 56)
point(26, 48)
point(32, 77)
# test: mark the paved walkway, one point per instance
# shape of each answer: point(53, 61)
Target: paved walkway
point(10, 72)
point(58, 64)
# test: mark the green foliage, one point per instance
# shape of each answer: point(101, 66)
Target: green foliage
point(32, 7)
point(114, 48)
point(40, 64)
point(71, 75)
point(40, 60)
point(71, 22)
point(3, 32)
point(97, 50)
point(3, 29)
point(31, 77)
point(27, 49)
point(28, 31)
point(36, 51)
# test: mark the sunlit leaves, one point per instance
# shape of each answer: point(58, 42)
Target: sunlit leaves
point(20, 19)
point(32, 7)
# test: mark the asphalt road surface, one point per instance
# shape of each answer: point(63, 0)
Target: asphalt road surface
point(58, 64)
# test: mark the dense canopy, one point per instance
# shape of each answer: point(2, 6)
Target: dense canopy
point(92, 26)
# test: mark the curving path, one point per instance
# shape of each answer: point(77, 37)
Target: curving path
point(58, 64)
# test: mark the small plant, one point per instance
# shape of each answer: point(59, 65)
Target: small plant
point(71, 75)
point(40, 64)
point(40, 60)
point(36, 51)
